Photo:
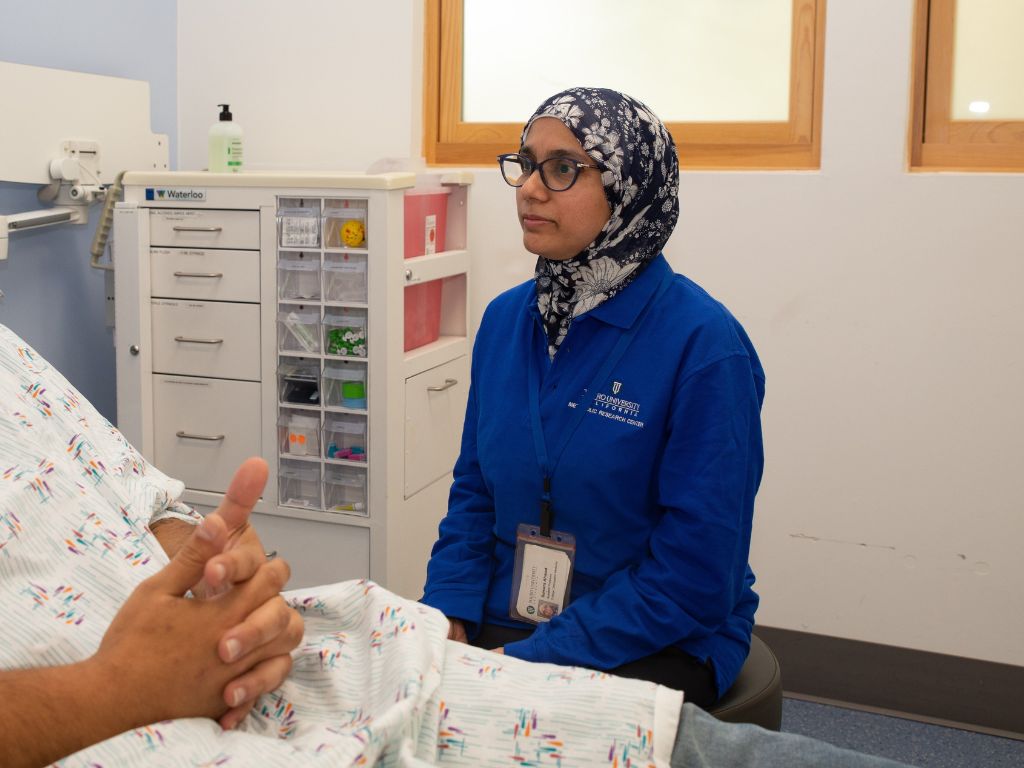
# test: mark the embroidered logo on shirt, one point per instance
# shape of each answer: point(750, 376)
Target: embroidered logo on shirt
point(615, 408)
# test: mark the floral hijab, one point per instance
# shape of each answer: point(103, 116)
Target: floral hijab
point(640, 174)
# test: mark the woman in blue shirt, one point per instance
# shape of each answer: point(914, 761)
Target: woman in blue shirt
point(600, 513)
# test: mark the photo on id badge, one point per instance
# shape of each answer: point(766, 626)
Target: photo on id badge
point(542, 574)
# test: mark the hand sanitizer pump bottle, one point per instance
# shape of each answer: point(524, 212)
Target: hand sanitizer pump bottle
point(225, 144)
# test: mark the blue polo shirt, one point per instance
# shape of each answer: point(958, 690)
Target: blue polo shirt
point(657, 481)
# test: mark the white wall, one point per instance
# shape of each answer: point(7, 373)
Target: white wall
point(886, 308)
point(314, 84)
point(884, 305)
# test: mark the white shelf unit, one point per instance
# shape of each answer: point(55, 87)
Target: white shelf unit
point(235, 304)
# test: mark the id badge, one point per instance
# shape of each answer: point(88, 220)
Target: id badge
point(542, 575)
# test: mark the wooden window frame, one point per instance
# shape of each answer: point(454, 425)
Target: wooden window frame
point(937, 141)
point(792, 144)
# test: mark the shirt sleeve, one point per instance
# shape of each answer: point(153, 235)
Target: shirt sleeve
point(176, 511)
point(694, 573)
point(459, 570)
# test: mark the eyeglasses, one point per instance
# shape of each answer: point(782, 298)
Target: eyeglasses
point(557, 173)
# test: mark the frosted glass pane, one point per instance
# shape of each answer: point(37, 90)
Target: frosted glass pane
point(988, 60)
point(689, 60)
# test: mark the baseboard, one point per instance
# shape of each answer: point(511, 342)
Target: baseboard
point(931, 686)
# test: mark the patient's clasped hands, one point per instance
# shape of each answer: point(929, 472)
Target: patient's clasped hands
point(213, 656)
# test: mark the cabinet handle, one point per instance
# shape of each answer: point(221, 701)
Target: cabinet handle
point(448, 384)
point(199, 274)
point(198, 341)
point(198, 229)
point(214, 438)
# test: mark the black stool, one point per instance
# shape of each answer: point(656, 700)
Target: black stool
point(756, 696)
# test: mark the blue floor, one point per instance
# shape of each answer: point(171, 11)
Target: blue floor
point(918, 744)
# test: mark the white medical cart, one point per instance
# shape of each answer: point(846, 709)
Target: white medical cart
point(263, 314)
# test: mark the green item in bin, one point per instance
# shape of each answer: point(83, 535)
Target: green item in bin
point(353, 390)
point(347, 341)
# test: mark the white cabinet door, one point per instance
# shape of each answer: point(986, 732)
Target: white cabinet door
point(206, 338)
point(204, 428)
point(435, 405)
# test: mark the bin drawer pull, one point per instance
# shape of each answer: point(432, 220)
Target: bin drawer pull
point(198, 341)
point(448, 384)
point(198, 229)
point(199, 274)
point(190, 436)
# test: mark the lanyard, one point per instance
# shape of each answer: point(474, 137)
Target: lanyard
point(547, 514)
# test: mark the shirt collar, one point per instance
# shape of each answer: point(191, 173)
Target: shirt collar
point(622, 309)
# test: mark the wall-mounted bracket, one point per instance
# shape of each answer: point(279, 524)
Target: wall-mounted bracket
point(47, 217)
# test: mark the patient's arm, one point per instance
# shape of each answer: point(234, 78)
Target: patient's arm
point(162, 656)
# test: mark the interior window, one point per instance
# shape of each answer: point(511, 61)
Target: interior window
point(738, 83)
point(968, 86)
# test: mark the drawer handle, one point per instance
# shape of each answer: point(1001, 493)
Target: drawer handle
point(448, 384)
point(198, 341)
point(213, 438)
point(214, 275)
point(198, 229)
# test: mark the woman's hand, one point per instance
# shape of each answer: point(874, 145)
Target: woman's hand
point(457, 631)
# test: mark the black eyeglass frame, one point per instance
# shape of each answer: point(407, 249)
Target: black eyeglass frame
point(530, 165)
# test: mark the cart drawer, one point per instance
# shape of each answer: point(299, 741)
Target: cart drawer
point(318, 553)
point(200, 338)
point(196, 273)
point(204, 428)
point(204, 229)
point(435, 404)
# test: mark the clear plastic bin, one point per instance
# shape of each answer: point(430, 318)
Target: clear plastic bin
point(299, 484)
point(345, 385)
point(298, 223)
point(345, 333)
point(298, 329)
point(345, 224)
point(345, 277)
point(298, 381)
point(345, 437)
point(298, 433)
point(298, 276)
point(345, 489)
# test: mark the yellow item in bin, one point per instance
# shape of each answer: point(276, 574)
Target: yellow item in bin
point(353, 233)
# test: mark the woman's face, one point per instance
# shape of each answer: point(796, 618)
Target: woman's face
point(558, 225)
